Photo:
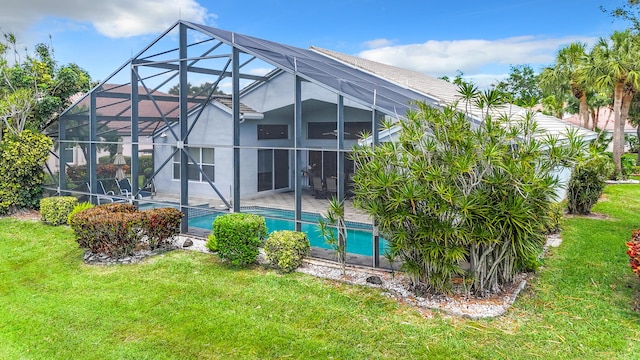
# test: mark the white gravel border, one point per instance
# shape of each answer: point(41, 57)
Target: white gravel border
point(396, 285)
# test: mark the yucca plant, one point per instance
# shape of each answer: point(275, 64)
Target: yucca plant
point(449, 193)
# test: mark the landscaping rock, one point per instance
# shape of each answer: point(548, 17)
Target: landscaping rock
point(375, 280)
point(187, 243)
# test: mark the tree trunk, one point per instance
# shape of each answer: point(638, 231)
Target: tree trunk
point(638, 145)
point(584, 111)
point(624, 114)
point(618, 127)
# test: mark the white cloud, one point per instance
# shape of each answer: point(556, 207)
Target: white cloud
point(112, 18)
point(378, 43)
point(439, 58)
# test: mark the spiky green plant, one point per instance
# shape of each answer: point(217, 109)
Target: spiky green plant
point(449, 192)
point(334, 230)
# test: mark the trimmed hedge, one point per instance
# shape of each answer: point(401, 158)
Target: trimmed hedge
point(160, 225)
point(118, 230)
point(56, 210)
point(238, 237)
point(286, 249)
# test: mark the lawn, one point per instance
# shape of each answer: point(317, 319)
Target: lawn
point(187, 305)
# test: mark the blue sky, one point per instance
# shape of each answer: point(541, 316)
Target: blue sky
point(481, 39)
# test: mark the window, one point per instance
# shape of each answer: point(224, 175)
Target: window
point(266, 132)
point(205, 160)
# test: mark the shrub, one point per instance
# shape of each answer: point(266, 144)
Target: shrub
point(634, 252)
point(587, 183)
point(212, 243)
point(555, 217)
point(238, 236)
point(161, 224)
point(119, 208)
point(103, 230)
point(79, 207)
point(145, 162)
point(56, 210)
point(118, 229)
point(22, 159)
point(449, 192)
point(628, 161)
point(286, 249)
point(77, 173)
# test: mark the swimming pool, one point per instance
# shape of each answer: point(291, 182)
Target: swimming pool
point(359, 235)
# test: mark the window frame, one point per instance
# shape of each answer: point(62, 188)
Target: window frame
point(175, 164)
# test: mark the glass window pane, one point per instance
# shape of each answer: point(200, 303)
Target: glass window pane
point(209, 170)
point(195, 154)
point(265, 161)
point(176, 171)
point(193, 172)
point(207, 156)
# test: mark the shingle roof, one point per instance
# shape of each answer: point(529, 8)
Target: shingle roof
point(442, 91)
point(226, 100)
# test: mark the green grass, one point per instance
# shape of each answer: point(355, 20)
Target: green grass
point(186, 305)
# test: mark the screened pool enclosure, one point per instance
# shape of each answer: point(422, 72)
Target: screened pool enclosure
point(211, 122)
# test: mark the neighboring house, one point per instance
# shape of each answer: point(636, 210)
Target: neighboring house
point(604, 122)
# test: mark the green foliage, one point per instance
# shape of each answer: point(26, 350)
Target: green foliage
point(34, 88)
point(286, 249)
point(521, 85)
point(118, 229)
point(556, 216)
point(587, 183)
point(145, 165)
point(76, 209)
point(56, 210)
point(22, 158)
point(334, 230)
point(632, 142)
point(462, 194)
point(628, 162)
point(212, 243)
point(238, 236)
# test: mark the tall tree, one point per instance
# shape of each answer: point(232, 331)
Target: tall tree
point(629, 12)
point(634, 119)
point(616, 65)
point(564, 77)
point(521, 85)
point(197, 90)
point(34, 89)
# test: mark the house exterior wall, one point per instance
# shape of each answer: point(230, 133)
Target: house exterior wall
point(215, 129)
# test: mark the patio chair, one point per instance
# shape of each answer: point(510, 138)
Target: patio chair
point(332, 186)
point(317, 187)
point(104, 197)
point(125, 189)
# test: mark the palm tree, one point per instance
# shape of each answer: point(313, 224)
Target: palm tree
point(616, 65)
point(564, 77)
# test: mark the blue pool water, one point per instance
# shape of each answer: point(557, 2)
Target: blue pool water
point(359, 236)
